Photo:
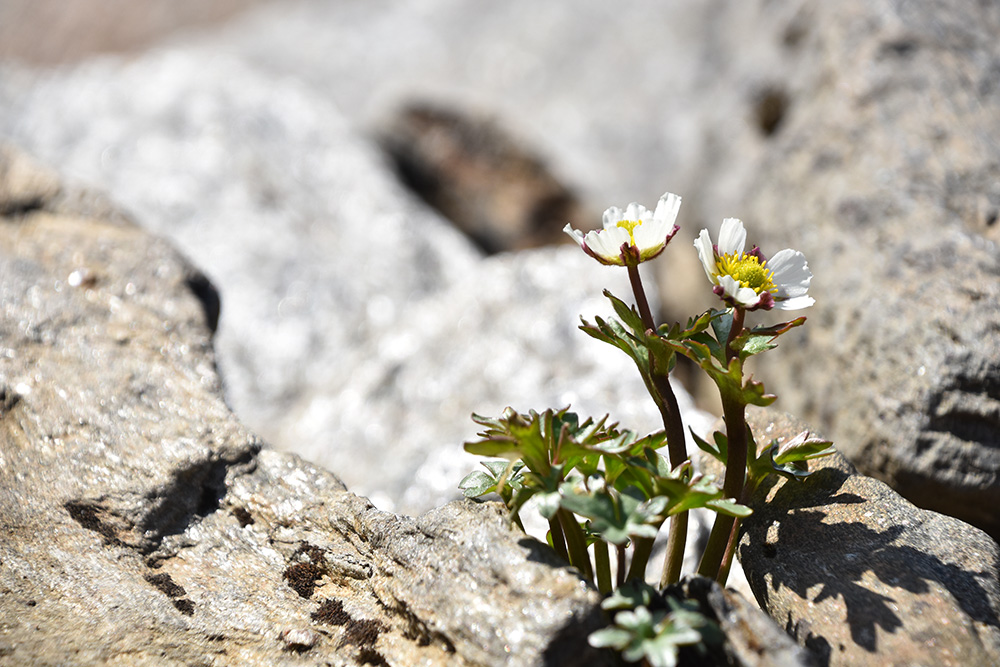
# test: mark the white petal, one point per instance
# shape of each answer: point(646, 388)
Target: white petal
point(795, 303)
point(612, 217)
point(651, 234)
point(607, 243)
point(575, 234)
point(791, 273)
point(667, 209)
point(732, 237)
point(745, 296)
point(637, 212)
point(704, 245)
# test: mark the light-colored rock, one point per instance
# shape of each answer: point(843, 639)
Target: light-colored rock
point(143, 524)
point(860, 576)
point(358, 329)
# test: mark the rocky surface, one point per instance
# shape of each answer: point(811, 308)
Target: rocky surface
point(359, 329)
point(860, 133)
point(860, 576)
point(142, 523)
point(893, 125)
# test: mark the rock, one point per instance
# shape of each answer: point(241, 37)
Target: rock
point(754, 639)
point(860, 576)
point(359, 329)
point(47, 31)
point(143, 523)
point(884, 172)
point(481, 178)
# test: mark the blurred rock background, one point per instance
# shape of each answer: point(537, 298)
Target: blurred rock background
point(359, 328)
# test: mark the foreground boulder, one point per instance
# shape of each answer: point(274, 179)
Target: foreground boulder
point(860, 576)
point(142, 522)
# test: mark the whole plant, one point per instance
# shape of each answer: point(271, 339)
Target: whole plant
point(608, 492)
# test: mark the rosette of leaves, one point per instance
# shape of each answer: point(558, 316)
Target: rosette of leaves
point(650, 627)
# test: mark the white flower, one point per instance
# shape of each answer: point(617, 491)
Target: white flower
point(749, 280)
point(633, 235)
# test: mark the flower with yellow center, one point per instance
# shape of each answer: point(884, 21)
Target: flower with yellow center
point(633, 235)
point(749, 280)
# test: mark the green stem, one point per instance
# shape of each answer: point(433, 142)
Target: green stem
point(602, 565)
point(576, 544)
point(727, 558)
point(721, 540)
point(674, 426)
point(675, 550)
point(640, 297)
point(734, 413)
point(620, 576)
point(643, 546)
point(558, 541)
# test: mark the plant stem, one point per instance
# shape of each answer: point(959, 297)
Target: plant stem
point(620, 576)
point(674, 426)
point(722, 538)
point(640, 297)
point(576, 543)
point(676, 540)
point(643, 546)
point(602, 565)
point(558, 541)
point(727, 558)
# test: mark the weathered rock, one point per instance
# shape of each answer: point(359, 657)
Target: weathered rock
point(481, 178)
point(861, 576)
point(753, 638)
point(143, 523)
point(360, 330)
point(885, 173)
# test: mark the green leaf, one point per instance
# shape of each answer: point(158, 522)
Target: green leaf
point(719, 450)
point(802, 448)
point(722, 325)
point(729, 507)
point(631, 594)
point(628, 314)
point(477, 483)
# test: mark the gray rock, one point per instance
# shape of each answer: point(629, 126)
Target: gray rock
point(860, 576)
point(884, 172)
point(143, 523)
point(358, 329)
point(862, 135)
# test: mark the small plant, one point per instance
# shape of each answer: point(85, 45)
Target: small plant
point(607, 489)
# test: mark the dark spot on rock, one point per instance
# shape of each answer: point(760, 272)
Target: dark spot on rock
point(166, 585)
point(185, 606)
point(207, 295)
point(990, 218)
point(770, 107)
point(312, 552)
point(369, 656)
point(302, 578)
point(331, 612)
point(362, 633)
point(479, 176)
point(899, 48)
point(243, 516)
point(89, 516)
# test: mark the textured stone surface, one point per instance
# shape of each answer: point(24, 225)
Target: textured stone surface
point(142, 523)
point(885, 171)
point(479, 176)
point(860, 576)
point(358, 328)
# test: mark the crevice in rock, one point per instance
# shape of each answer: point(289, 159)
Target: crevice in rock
point(770, 107)
point(207, 295)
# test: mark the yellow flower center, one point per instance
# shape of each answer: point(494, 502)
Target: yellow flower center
point(748, 271)
point(629, 225)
